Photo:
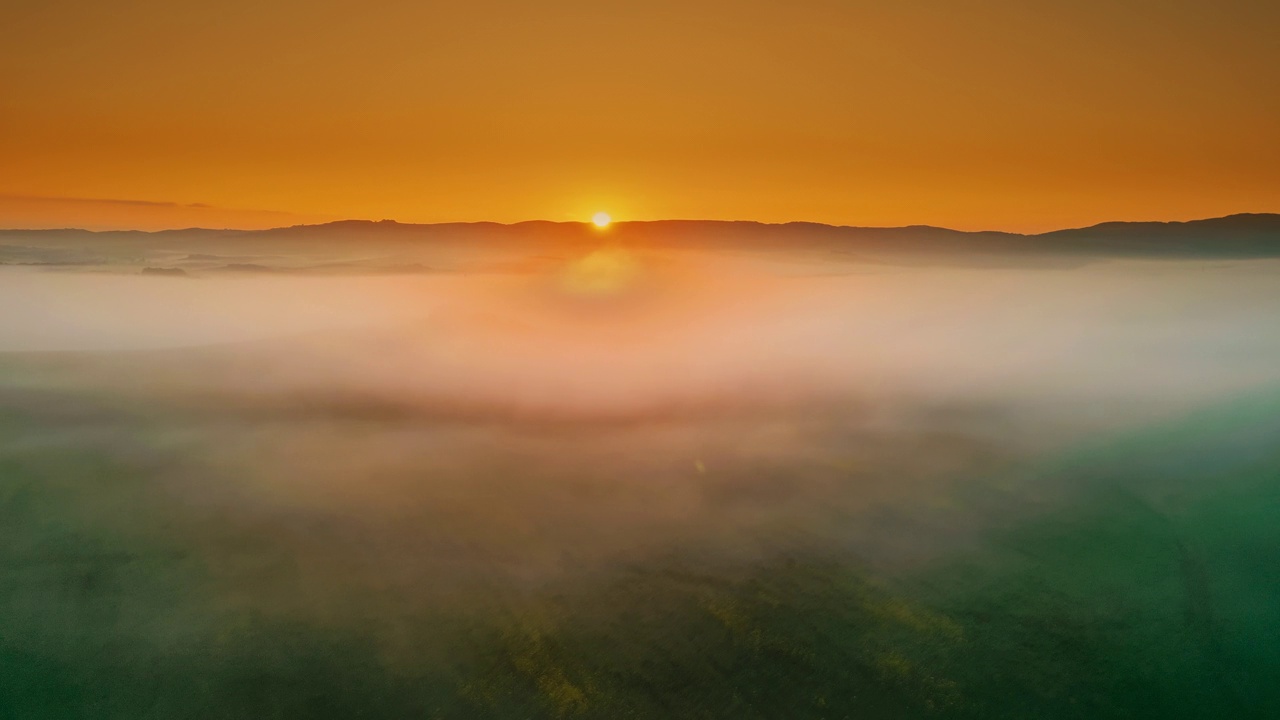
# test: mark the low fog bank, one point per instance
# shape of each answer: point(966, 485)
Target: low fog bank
point(667, 393)
point(679, 330)
point(548, 492)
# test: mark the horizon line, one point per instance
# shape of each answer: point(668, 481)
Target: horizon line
point(588, 224)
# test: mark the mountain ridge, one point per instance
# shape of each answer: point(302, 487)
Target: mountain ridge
point(1271, 219)
point(386, 244)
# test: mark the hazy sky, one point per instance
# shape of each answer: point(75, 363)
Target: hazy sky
point(1014, 114)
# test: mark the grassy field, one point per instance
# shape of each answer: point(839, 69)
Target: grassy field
point(162, 561)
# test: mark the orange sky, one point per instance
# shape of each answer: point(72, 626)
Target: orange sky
point(1010, 114)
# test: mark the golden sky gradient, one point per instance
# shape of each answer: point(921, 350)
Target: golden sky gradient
point(1010, 114)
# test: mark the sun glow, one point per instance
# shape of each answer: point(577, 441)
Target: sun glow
point(607, 271)
point(601, 219)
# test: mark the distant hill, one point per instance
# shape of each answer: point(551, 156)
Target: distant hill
point(1245, 235)
point(357, 245)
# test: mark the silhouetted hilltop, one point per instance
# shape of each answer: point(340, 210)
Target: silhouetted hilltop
point(1245, 235)
point(363, 245)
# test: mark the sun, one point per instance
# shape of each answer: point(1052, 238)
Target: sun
point(601, 219)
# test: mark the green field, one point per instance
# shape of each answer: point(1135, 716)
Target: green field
point(155, 565)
